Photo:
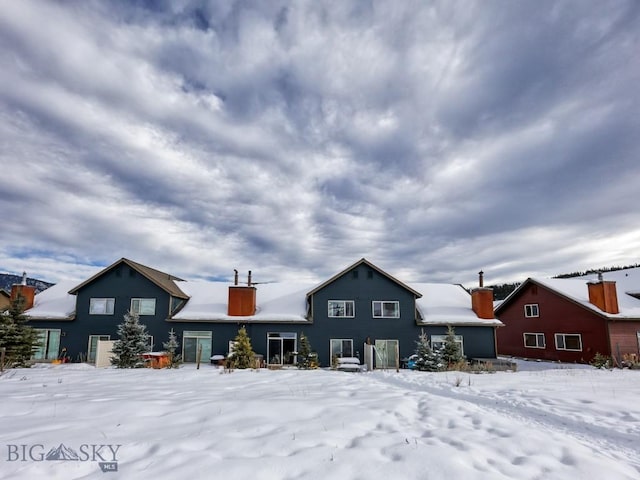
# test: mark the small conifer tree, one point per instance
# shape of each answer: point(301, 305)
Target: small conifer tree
point(18, 339)
point(242, 355)
point(450, 352)
point(428, 360)
point(306, 358)
point(133, 342)
point(170, 347)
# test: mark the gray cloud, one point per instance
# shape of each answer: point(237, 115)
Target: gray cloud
point(293, 138)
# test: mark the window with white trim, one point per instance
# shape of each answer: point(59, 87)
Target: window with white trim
point(385, 309)
point(569, 341)
point(531, 310)
point(438, 341)
point(143, 306)
point(101, 306)
point(341, 308)
point(534, 340)
point(341, 347)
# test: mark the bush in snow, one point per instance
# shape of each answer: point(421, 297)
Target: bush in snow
point(170, 347)
point(133, 342)
point(16, 337)
point(427, 360)
point(242, 355)
point(451, 354)
point(306, 358)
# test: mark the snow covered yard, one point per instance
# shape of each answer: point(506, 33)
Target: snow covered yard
point(188, 423)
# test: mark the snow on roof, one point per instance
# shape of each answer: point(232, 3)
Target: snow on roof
point(54, 303)
point(627, 282)
point(447, 304)
point(441, 304)
point(275, 302)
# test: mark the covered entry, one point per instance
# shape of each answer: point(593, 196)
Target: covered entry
point(281, 348)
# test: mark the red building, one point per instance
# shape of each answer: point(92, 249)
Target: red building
point(570, 320)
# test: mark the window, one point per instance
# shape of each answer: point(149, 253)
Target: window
point(386, 309)
point(534, 340)
point(101, 306)
point(196, 343)
point(437, 342)
point(569, 341)
point(143, 306)
point(341, 347)
point(531, 310)
point(48, 344)
point(354, 274)
point(341, 308)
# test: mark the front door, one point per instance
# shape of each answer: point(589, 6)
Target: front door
point(281, 348)
point(386, 353)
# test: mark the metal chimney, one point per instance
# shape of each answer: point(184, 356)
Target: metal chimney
point(481, 278)
point(235, 276)
point(249, 279)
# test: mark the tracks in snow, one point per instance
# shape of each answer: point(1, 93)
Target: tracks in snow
point(602, 439)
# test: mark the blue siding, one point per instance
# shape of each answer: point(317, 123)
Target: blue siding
point(363, 287)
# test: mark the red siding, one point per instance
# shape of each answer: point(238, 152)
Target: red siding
point(556, 315)
point(624, 337)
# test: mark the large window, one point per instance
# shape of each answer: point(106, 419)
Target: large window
point(569, 341)
point(534, 340)
point(341, 347)
point(531, 310)
point(101, 306)
point(143, 306)
point(386, 309)
point(437, 342)
point(341, 308)
point(196, 343)
point(48, 344)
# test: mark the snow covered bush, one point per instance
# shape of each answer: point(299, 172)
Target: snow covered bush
point(242, 355)
point(426, 359)
point(306, 358)
point(133, 342)
point(16, 337)
point(170, 347)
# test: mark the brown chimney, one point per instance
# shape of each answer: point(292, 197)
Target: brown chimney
point(482, 299)
point(603, 294)
point(27, 292)
point(242, 300)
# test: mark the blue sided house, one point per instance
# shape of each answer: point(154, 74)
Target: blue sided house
point(362, 312)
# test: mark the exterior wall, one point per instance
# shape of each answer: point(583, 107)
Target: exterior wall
point(556, 315)
point(121, 283)
point(369, 285)
point(5, 301)
point(625, 337)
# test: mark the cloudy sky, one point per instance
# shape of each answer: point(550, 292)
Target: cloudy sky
point(294, 138)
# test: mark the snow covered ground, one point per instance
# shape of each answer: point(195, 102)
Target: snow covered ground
point(542, 422)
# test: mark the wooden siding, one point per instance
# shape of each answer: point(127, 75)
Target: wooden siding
point(556, 315)
point(624, 338)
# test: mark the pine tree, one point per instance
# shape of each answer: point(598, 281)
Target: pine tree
point(133, 342)
point(451, 353)
point(242, 355)
point(428, 360)
point(18, 339)
point(170, 347)
point(306, 358)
